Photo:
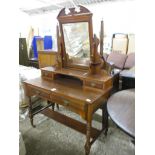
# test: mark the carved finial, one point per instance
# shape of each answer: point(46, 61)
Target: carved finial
point(59, 56)
point(101, 39)
point(95, 65)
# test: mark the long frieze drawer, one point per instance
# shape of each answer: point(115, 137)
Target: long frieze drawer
point(68, 102)
point(41, 93)
point(47, 74)
point(94, 84)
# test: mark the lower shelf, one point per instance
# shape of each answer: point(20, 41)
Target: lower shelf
point(40, 108)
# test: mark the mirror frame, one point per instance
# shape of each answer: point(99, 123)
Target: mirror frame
point(75, 17)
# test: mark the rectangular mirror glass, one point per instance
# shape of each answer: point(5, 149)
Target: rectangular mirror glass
point(77, 45)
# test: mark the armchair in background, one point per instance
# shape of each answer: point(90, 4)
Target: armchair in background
point(122, 65)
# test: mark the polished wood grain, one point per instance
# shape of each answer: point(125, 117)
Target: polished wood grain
point(70, 88)
point(69, 122)
point(46, 58)
point(69, 93)
point(81, 88)
point(96, 62)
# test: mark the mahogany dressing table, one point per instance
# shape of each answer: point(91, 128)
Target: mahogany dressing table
point(78, 81)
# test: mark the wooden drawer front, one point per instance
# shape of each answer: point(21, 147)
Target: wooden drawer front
point(94, 84)
point(40, 93)
point(108, 84)
point(47, 74)
point(70, 103)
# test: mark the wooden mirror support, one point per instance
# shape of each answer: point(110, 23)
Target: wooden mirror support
point(95, 62)
point(107, 66)
point(93, 74)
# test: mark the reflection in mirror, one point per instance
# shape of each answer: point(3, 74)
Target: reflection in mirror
point(76, 38)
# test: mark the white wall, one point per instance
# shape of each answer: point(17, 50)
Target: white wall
point(23, 24)
point(118, 17)
point(46, 23)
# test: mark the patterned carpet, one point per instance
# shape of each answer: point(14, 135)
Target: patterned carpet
point(52, 138)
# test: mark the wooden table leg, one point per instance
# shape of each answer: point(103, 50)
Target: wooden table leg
point(87, 144)
point(57, 106)
point(30, 112)
point(88, 131)
point(53, 104)
point(105, 118)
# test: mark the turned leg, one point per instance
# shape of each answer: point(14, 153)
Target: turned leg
point(105, 118)
point(88, 130)
point(31, 120)
point(30, 112)
point(87, 144)
point(57, 106)
point(52, 103)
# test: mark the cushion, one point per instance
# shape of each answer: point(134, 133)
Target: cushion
point(128, 73)
point(118, 59)
point(130, 61)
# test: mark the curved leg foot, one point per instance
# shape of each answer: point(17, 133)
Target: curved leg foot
point(87, 149)
point(30, 113)
point(31, 120)
point(57, 106)
point(53, 106)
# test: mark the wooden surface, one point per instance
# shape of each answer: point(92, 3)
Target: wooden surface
point(84, 15)
point(40, 44)
point(82, 89)
point(46, 58)
point(64, 87)
point(82, 74)
point(69, 121)
point(95, 82)
point(69, 92)
point(121, 108)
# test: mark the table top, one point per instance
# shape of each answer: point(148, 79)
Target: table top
point(67, 87)
point(121, 108)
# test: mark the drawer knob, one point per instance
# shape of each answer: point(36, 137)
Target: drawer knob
point(93, 84)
